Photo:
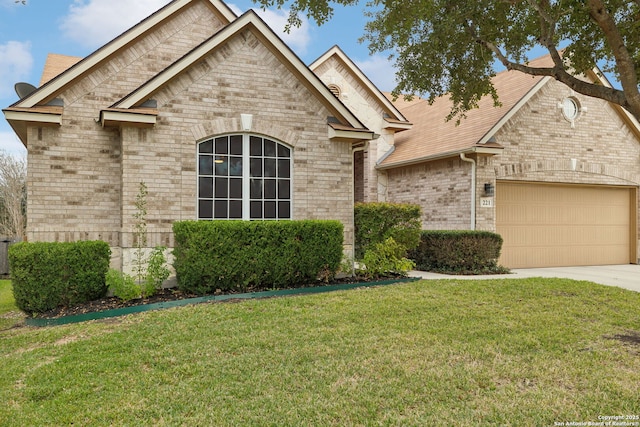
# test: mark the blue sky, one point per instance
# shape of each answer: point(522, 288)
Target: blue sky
point(78, 27)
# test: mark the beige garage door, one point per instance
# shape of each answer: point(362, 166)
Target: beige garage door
point(549, 225)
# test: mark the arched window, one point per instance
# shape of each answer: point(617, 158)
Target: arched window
point(244, 177)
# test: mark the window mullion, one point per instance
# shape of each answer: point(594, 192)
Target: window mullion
point(246, 182)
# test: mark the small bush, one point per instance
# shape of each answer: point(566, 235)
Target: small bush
point(157, 271)
point(376, 222)
point(386, 258)
point(458, 252)
point(241, 255)
point(126, 287)
point(122, 285)
point(48, 275)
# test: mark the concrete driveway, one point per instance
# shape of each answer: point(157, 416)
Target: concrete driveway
point(625, 276)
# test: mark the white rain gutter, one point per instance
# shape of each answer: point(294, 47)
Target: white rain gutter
point(473, 188)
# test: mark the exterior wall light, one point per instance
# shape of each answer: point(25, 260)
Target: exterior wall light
point(489, 189)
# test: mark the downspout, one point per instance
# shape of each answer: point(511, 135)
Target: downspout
point(473, 188)
point(353, 191)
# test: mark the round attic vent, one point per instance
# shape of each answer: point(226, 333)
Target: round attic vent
point(335, 90)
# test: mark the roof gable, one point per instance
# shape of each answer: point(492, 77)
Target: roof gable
point(432, 136)
point(57, 64)
point(251, 21)
point(394, 115)
point(66, 77)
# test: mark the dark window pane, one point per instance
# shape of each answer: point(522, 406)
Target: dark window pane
point(270, 210)
point(222, 165)
point(255, 146)
point(269, 148)
point(222, 145)
point(206, 147)
point(270, 167)
point(283, 151)
point(255, 168)
point(235, 188)
point(220, 209)
point(205, 188)
point(256, 210)
point(222, 188)
point(284, 189)
point(205, 209)
point(235, 166)
point(284, 210)
point(235, 209)
point(235, 145)
point(269, 188)
point(205, 165)
point(256, 188)
point(284, 171)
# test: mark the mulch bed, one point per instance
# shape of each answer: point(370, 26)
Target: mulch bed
point(164, 295)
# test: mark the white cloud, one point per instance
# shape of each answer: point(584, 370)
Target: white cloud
point(10, 143)
point(380, 70)
point(92, 23)
point(17, 61)
point(298, 38)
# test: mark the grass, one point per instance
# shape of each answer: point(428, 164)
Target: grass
point(9, 313)
point(466, 353)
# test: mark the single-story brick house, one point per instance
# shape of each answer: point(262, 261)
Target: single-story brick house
point(222, 120)
point(213, 112)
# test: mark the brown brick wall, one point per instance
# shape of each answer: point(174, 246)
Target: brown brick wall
point(83, 179)
point(74, 175)
point(441, 188)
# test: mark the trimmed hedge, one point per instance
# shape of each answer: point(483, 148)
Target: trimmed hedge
point(46, 275)
point(376, 222)
point(458, 251)
point(239, 255)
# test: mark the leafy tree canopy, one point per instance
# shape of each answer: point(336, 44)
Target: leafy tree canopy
point(451, 46)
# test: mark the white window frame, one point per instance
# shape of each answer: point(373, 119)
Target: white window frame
point(246, 179)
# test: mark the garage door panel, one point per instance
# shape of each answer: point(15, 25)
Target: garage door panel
point(561, 225)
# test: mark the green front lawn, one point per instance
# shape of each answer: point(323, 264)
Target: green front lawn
point(466, 353)
point(9, 313)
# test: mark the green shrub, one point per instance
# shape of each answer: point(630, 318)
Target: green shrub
point(386, 258)
point(242, 255)
point(458, 251)
point(156, 273)
point(375, 222)
point(122, 285)
point(49, 275)
point(126, 287)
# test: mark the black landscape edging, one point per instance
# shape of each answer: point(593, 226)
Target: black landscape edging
point(42, 321)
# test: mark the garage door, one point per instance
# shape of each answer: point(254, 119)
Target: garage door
point(549, 225)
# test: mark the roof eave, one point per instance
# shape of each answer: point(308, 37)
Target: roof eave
point(350, 135)
point(397, 126)
point(439, 156)
point(20, 118)
point(114, 118)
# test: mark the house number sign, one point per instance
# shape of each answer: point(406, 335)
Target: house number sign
point(486, 202)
